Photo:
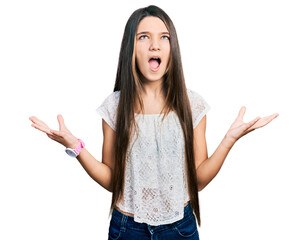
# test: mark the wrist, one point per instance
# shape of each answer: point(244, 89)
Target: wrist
point(228, 142)
point(74, 152)
point(74, 143)
point(79, 147)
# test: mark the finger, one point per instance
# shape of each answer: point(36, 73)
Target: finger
point(56, 133)
point(251, 125)
point(53, 137)
point(274, 116)
point(61, 122)
point(41, 128)
point(267, 120)
point(253, 122)
point(241, 113)
point(34, 119)
point(37, 121)
point(263, 121)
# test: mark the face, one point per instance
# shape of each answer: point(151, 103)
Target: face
point(152, 48)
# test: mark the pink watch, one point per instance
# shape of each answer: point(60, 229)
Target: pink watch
point(75, 152)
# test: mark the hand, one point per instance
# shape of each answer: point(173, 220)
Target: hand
point(63, 136)
point(238, 129)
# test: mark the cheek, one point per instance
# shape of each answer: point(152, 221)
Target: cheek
point(165, 46)
point(140, 57)
point(167, 51)
point(140, 64)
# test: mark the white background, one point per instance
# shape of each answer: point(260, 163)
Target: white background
point(60, 57)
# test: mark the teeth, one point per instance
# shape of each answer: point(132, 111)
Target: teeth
point(156, 58)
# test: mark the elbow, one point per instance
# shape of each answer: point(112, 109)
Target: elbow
point(109, 187)
point(200, 182)
point(200, 187)
point(109, 182)
point(106, 182)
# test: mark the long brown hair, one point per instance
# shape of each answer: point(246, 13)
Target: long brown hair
point(176, 99)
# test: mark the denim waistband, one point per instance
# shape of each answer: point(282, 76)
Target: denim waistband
point(129, 222)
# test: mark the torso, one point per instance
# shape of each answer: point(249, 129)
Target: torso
point(132, 215)
point(150, 108)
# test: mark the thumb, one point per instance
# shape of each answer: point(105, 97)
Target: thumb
point(61, 122)
point(241, 113)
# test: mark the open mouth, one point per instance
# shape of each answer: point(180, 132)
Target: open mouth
point(154, 63)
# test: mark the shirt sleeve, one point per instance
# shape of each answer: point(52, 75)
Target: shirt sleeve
point(108, 109)
point(199, 106)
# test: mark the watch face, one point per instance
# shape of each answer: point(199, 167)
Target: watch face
point(70, 152)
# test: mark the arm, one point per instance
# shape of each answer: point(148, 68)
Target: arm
point(207, 168)
point(101, 172)
point(98, 171)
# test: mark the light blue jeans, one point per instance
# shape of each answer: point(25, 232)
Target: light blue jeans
point(123, 227)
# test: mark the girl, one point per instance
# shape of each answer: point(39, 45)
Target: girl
point(154, 150)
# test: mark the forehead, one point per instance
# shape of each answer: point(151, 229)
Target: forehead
point(151, 24)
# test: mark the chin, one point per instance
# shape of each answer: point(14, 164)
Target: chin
point(154, 78)
point(146, 75)
point(151, 77)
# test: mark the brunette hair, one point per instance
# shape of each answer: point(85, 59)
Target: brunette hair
point(176, 99)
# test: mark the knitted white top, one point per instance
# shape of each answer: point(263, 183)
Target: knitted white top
point(155, 188)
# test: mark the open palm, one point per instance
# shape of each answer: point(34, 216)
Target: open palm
point(63, 136)
point(239, 128)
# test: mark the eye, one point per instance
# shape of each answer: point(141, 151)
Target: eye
point(143, 37)
point(165, 37)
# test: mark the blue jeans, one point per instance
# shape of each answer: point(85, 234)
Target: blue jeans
point(123, 227)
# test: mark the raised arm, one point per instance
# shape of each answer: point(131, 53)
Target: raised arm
point(98, 171)
point(207, 168)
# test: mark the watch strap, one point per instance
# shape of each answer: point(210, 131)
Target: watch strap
point(79, 147)
point(75, 152)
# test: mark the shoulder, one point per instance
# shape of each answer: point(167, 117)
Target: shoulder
point(108, 109)
point(112, 98)
point(199, 107)
point(192, 94)
point(196, 99)
point(111, 102)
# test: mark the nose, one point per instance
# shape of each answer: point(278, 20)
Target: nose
point(154, 45)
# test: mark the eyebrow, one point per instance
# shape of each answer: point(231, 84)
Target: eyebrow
point(149, 32)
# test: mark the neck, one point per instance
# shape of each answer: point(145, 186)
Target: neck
point(152, 96)
point(152, 89)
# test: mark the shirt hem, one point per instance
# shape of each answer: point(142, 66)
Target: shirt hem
point(172, 220)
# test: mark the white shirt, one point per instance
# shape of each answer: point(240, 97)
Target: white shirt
point(156, 187)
